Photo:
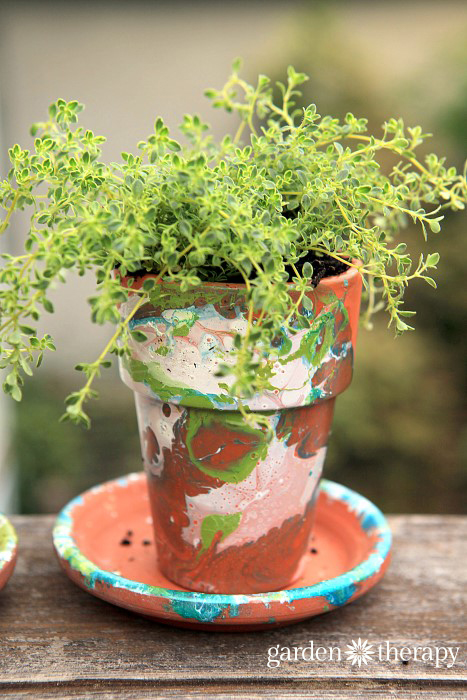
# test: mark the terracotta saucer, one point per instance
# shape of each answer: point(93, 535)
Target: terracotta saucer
point(104, 542)
point(8, 550)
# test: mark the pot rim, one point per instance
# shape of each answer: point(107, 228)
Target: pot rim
point(326, 282)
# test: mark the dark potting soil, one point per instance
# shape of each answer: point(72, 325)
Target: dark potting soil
point(323, 266)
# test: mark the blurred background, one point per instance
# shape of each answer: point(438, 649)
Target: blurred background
point(399, 434)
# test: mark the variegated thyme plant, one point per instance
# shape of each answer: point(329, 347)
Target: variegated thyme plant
point(258, 207)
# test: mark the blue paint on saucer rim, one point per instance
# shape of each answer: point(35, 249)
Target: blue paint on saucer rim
point(8, 541)
point(209, 607)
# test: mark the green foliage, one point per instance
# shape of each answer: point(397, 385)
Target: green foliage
point(300, 184)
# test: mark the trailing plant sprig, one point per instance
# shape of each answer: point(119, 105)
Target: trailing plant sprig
point(251, 210)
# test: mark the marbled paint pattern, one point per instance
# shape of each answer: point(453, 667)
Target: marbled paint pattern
point(232, 510)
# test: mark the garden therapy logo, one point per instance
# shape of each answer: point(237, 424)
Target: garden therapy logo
point(360, 652)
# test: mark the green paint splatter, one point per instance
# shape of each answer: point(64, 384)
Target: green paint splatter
point(212, 524)
point(7, 534)
point(79, 562)
point(181, 329)
point(231, 425)
point(162, 350)
point(319, 339)
point(152, 374)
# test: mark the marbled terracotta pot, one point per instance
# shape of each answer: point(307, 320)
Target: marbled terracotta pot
point(232, 511)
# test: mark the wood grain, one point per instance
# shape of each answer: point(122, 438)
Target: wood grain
point(58, 641)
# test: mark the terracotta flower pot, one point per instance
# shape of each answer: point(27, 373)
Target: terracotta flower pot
point(232, 511)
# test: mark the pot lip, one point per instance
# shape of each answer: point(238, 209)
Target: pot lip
point(347, 276)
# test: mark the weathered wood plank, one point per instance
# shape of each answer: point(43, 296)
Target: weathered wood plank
point(58, 641)
point(225, 691)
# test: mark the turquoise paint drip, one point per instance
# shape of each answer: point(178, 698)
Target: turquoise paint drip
point(369, 522)
point(198, 610)
point(342, 596)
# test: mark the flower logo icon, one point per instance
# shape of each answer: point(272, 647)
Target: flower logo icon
point(360, 652)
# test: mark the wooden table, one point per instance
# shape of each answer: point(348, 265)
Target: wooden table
point(58, 641)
